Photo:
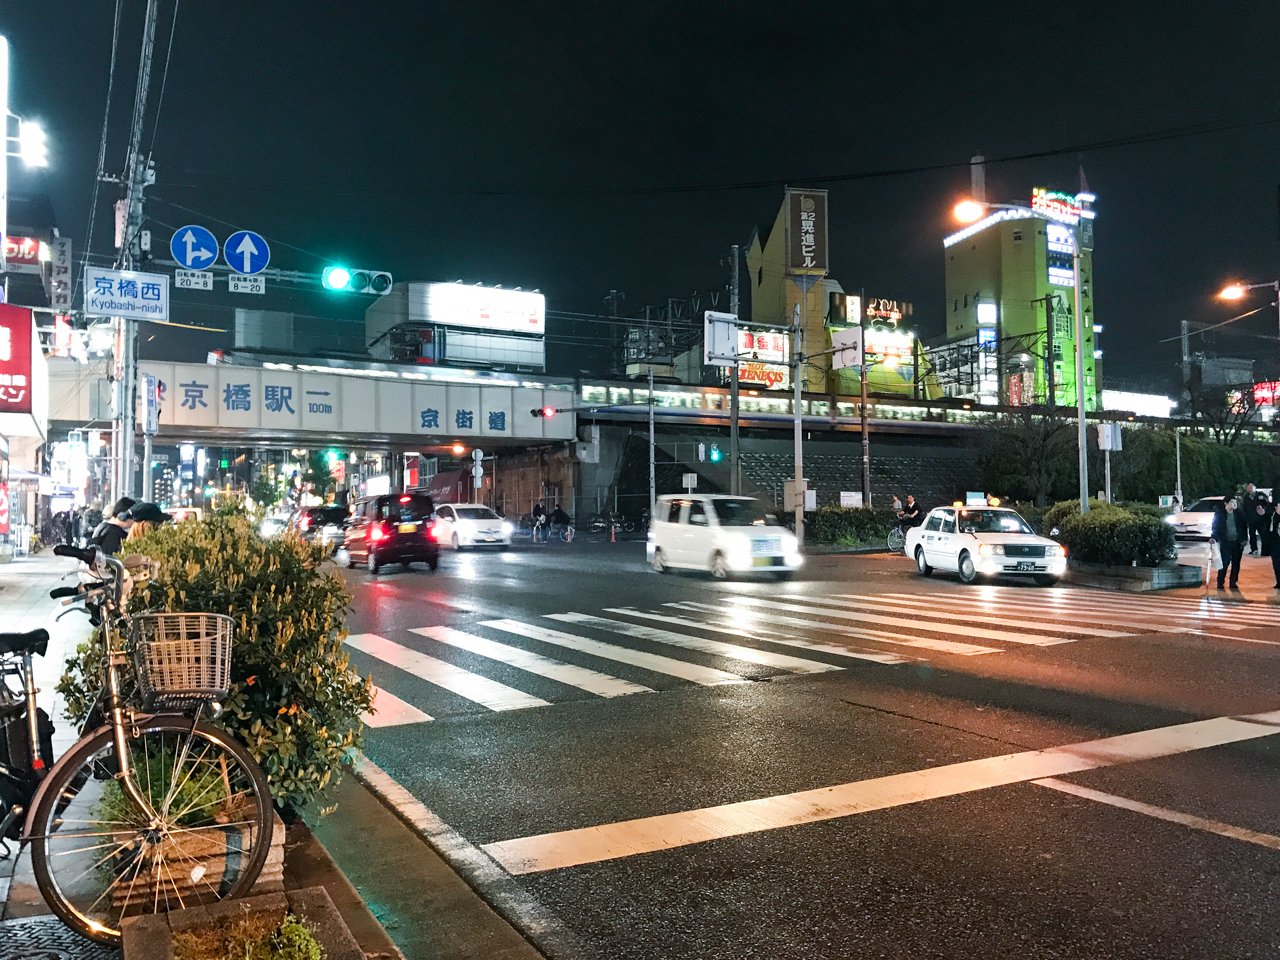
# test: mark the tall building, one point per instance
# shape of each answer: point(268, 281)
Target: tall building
point(1010, 304)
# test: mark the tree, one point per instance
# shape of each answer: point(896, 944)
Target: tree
point(1225, 409)
point(1027, 455)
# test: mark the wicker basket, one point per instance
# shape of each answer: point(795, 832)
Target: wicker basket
point(183, 659)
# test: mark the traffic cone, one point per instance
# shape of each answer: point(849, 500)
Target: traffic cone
point(613, 533)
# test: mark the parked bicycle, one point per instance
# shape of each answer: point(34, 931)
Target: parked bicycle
point(152, 808)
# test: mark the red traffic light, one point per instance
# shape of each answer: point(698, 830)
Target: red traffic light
point(547, 412)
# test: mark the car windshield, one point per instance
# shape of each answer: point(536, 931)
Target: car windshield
point(744, 513)
point(475, 513)
point(328, 515)
point(993, 521)
point(1205, 506)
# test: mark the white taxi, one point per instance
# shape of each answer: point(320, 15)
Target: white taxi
point(984, 542)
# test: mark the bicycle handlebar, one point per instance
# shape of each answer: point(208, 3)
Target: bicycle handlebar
point(57, 593)
point(87, 555)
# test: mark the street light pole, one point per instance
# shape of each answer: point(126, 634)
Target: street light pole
point(735, 476)
point(1082, 434)
point(653, 486)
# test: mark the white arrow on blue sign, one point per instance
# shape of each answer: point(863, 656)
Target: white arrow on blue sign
point(194, 247)
point(246, 252)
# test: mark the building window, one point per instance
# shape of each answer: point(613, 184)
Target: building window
point(966, 300)
point(760, 277)
point(955, 306)
point(1017, 236)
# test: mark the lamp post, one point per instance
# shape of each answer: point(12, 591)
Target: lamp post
point(969, 211)
point(1238, 291)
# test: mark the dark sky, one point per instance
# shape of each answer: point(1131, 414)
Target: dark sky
point(513, 142)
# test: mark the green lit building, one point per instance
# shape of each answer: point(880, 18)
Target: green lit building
point(1010, 307)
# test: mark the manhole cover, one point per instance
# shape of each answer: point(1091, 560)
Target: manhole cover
point(47, 938)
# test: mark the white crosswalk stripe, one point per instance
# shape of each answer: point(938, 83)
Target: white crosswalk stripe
point(488, 693)
point(706, 676)
point(600, 684)
point(930, 606)
point(390, 711)
point(718, 648)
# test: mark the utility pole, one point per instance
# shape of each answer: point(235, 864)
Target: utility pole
point(1082, 435)
point(1186, 360)
point(735, 475)
point(1177, 458)
point(653, 484)
point(1050, 370)
point(862, 408)
point(137, 177)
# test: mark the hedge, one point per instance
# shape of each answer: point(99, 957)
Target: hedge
point(850, 527)
point(1057, 514)
point(1116, 537)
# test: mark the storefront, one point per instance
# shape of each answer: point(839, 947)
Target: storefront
point(24, 424)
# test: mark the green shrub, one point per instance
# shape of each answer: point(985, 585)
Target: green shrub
point(1057, 514)
point(1031, 513)
point(850, 527)
point(295, 702)
point(1115, 537)
point(1146, 510)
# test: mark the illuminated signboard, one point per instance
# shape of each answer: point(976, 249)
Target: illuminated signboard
point(807, 231)
point(480, 308)
point(22, 254)
point(15, 360)
point(1061, 248)
point(889, 346)
point(764, 356)
point(887, 311)
point(1064, 207)
point(1266, 394)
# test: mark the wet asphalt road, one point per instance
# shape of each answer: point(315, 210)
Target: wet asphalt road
point(1166, 844)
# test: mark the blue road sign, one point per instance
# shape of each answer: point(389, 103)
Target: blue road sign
point(246, 252)
point(194, 247)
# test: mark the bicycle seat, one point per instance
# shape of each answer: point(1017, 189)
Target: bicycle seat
point(34, 641)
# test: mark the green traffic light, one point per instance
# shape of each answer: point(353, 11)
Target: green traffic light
point(335, 278)
point(715, 453)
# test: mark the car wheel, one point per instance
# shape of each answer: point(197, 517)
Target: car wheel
point(968, 569)
point(922, 565)
point(1045, 580)
point(660, 563)
point(457, 545)
point(372, 563)
point(719, 566)
point(433, 561)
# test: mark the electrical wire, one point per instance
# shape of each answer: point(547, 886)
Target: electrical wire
point(102, 154)
point(164, 80)
point(227, 223)
point(1191, 333)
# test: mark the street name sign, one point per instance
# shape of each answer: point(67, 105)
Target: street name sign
point(240, 284)
point(126, 293)
point(194, 247)
point(246, 252)
point(192, 280)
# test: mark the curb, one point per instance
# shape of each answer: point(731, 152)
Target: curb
point(825, 551)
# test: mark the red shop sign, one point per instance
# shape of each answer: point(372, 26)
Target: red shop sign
point(15, 360)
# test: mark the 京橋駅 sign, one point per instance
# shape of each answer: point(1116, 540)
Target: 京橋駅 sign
point(807, 231)
point(125, 293)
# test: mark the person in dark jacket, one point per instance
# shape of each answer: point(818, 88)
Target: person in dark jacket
point(1257, 511)
point(112, 531)
point(1274, 531)
point(1229, 533)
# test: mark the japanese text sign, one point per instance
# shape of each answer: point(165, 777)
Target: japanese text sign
point(15, 360)
point(124, 293)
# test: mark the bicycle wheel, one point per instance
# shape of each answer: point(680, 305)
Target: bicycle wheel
point(98, 859)
point(897, 539)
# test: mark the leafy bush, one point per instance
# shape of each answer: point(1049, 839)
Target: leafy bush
point(850, 527)
point(295, 702)
point(1115, 537)
point(259, 937)
point(1057, 514)
point(1146, 510)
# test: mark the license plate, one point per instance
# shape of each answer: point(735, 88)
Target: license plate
point(766, 547)
point(408, 528)
point(761, 561)
point(1026, 565)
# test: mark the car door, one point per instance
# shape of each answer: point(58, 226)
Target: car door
point(665, 530)
point(356, 531)
point(697, 535)
point(927, 535)
point(944, 541)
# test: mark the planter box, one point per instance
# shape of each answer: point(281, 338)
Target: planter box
point(151, 937)
point(1167, 576)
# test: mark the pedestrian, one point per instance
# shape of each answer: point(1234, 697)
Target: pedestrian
point(1229, 535)
point(1257, 509)
point(112, 531)
point(1274, 530)
point(77, 523)
point(896, 506)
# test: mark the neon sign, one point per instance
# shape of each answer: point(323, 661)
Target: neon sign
point(1064, 207)
point(889, 311)
point(763, 358)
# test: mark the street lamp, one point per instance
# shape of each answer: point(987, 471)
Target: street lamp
point(1238, 290)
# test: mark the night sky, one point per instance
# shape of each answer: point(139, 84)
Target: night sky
point(579, 148)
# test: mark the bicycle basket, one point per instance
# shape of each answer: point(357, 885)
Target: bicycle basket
point(183, 659)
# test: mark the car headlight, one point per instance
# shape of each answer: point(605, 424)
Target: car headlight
point(1171, 519)
point(790, 545)
point(991, 550)
point(739, 543)
point(1056, 550)
point(507, 528)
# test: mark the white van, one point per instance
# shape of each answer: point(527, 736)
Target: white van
point(721, 534)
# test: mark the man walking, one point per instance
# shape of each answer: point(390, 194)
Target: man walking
point(1257, 511)
point(1229, 535)
point(1274, 531)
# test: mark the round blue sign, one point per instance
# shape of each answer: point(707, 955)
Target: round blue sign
point(194, 247)
point(246, 252)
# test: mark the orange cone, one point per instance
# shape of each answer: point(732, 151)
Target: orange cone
point(613, 533)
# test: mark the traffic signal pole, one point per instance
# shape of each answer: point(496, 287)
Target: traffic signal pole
point(735, 473)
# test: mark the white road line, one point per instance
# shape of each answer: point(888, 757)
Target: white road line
point(910, 622)
point(390, 711)
point(1163, 813)
point(738, 630)
point(610, 841)
point(899, 639)
point(925, 604)
point(706, 676)
point(473, 687)
point(1159, 606)
point(735, 651)
point(590, 680)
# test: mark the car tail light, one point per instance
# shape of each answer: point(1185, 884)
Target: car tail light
point(433, 532)
point(377, 532)
point(405, 499)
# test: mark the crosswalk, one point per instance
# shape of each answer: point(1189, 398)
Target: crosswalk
point(510, 664)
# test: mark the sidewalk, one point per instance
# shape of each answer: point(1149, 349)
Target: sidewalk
point(1257, 581)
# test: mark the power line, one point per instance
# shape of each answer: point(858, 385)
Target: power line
point(164, 79)
point(102, 152)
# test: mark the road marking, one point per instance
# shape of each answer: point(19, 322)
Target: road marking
point(918, 623)
point(1163, 813)
point(390, 711)
point(738, 630)
point(611, 841)
point(1205, 609)
point(598, 683)
point(706, 676)
point(478, 689)
point(719, 648)
point(927, 604)
point(901, 639)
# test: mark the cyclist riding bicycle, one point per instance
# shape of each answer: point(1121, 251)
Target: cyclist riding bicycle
point(910, 514)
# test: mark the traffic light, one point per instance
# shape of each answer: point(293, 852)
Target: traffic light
point(715, 453)
point(547, 412)
point(356, 280)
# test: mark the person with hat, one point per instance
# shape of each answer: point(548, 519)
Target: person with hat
point(112, 531)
